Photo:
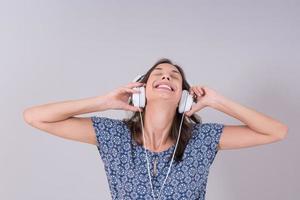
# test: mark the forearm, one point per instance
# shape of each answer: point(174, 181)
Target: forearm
point(253, 119)
point(58, 111)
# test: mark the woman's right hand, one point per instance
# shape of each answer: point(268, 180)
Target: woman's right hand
point(118, 98)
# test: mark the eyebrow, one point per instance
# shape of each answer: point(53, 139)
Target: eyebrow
point(175, 71)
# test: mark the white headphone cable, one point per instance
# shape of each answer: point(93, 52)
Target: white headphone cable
point(148, 165)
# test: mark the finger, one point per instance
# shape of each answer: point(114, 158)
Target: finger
point(134, 84)
point(196, 91)
point(192, 91)
point(193, 94)
point(132, 108)
point(202, 90)
point(132, 90)
point(192, 88)
point(187, 114)
point(136, 109)
point(190, 112)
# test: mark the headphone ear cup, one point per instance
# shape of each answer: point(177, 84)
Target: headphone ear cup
point(186, 102)
point(139, 99)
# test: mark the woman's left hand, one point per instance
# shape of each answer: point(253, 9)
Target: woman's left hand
point(204, 97)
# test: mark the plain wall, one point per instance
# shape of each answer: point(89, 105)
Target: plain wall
point(61, 50)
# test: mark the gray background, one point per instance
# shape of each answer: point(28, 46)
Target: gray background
point(60, 50)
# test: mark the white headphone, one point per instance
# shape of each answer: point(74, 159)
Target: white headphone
point(139, 99)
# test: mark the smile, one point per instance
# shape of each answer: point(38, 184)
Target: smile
point(164, 87)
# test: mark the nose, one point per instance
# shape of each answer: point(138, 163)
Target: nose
point(165, 77)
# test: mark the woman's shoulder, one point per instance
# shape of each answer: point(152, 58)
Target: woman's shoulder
point(207, 129)
point(106, 121)
point(208, 126)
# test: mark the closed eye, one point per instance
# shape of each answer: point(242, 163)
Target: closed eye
point(173, 76)
point(157, 74)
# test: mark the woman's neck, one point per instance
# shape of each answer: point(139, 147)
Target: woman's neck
point(158, 120)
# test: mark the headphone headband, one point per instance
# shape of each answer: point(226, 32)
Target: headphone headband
point(138, 78)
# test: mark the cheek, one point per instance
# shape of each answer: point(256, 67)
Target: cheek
point(149, 81)
point(178, 94)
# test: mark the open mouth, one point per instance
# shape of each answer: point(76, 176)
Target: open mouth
point(164, 87)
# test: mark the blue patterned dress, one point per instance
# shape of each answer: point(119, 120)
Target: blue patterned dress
point(126, 165)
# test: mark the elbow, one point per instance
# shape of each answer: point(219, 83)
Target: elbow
point(284, 132)
point(27, 116)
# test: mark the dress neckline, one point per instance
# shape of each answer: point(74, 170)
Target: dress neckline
point(153, 152)
point(149, 151)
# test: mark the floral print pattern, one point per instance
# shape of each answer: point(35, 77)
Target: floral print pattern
point(126, 166)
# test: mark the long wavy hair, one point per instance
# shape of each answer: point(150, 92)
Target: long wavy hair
point(134, 122)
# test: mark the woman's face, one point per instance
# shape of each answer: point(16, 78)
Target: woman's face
point(164, 83)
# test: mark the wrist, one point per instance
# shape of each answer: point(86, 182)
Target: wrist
point(218, 102)
point(102, 103)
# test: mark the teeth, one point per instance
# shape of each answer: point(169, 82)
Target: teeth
point(164, 86)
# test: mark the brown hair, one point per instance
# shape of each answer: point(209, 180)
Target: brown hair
point(134, 122)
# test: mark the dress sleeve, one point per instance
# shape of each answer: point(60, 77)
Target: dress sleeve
point(212, 133)
point(108, 133)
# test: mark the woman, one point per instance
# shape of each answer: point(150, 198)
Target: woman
point(137, 152)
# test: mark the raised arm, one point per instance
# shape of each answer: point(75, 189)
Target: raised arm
point(60, 119)
point(258, 129)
